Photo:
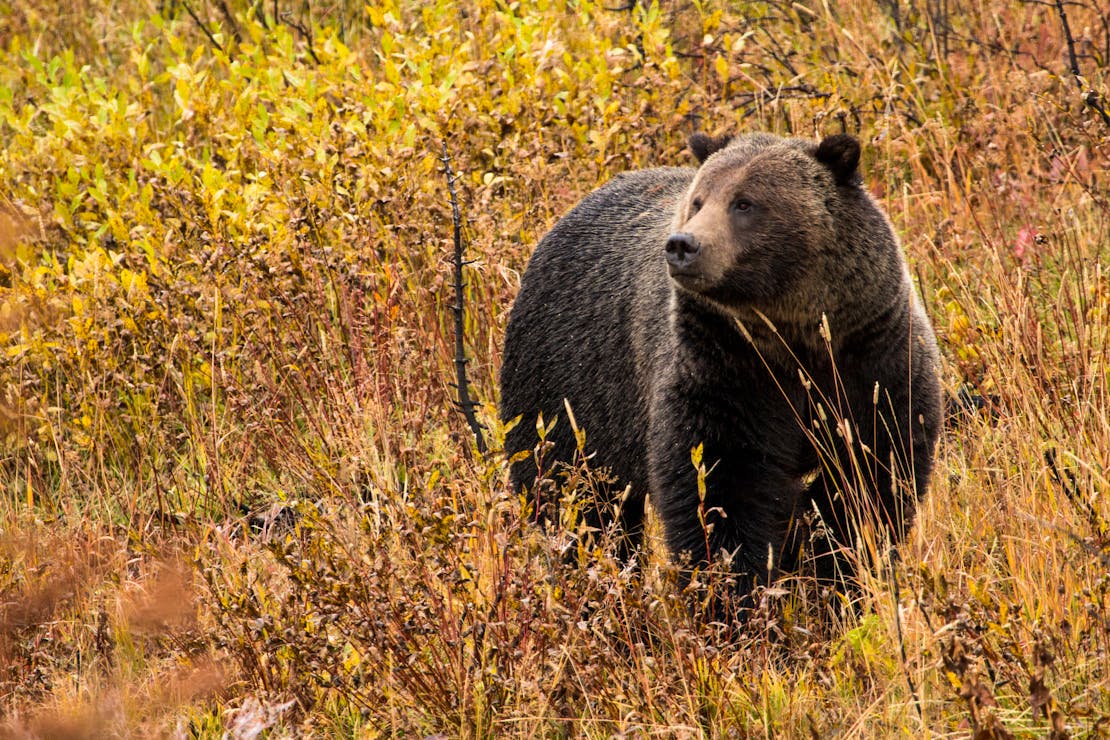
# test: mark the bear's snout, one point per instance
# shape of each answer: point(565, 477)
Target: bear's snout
point(682, 250)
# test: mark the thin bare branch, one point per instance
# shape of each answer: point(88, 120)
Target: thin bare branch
point(1089, 94)
point(203, 27)
point(304, 31)
point(465, 403)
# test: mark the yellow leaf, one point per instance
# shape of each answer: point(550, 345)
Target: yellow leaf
point(721, 65)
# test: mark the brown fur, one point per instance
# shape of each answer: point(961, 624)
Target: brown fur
point(744, 306)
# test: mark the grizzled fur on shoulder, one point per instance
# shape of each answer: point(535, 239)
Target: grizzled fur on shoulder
point(759, 306)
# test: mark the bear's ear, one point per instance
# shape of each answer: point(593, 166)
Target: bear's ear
point(703, 145)
point(840, 153)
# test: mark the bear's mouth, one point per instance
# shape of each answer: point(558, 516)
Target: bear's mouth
point(687, 277)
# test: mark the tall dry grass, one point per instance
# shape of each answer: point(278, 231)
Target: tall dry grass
point(237, 498)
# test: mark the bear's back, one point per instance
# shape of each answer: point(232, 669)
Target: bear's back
point(591, 300)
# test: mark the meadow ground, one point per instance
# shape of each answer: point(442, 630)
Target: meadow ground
point(237, 498)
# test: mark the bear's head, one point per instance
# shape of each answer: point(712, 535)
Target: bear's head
point(762, 217)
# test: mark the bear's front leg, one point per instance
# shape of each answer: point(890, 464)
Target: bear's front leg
point(736, 505)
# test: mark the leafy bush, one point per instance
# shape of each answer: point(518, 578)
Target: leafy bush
point(225, 287)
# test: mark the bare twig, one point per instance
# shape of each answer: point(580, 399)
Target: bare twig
point(260, 14)
point(230, 20)
point(901, 639)
point(1090, 96)
point(1070, 486)
point(211, 38)
point(465, 403)
point(304, 31)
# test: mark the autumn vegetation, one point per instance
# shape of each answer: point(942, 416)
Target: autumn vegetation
point(237, 498)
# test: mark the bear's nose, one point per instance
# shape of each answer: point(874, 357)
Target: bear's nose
point(682, 248)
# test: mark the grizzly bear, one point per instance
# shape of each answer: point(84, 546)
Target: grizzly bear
point(759, 308)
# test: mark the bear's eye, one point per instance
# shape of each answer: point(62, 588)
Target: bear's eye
point(742, 205)
point(695, 206)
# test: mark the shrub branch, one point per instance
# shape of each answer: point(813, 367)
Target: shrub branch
point(202, 26)
point(465, 403)
point(1089, 95)
point(306, 33)
point(901, 638)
